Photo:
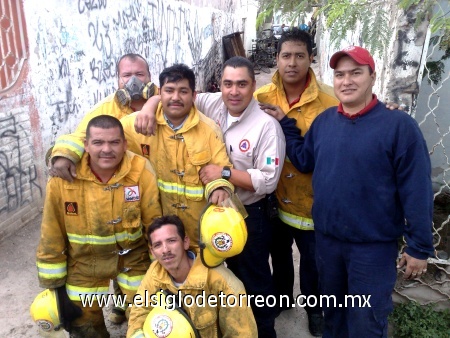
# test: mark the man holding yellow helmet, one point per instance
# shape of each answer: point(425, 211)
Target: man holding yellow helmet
point(198, 301)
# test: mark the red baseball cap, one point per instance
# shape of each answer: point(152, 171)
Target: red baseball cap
point(358, 54)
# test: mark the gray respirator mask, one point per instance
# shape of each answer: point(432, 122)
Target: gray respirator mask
point(135, 90)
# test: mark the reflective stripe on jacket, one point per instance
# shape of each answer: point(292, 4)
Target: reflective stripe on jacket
point(94, 231)
point(177, 157)
point(71, 146)
point(294, 190)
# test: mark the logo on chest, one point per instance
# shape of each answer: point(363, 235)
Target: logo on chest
point(244, 145)
point(145, 148)
point(71, 208)
point(131, 193)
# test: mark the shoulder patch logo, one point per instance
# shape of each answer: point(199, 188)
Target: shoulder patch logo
point(71, 208)
point(145, 148)
point(131, 193)
point(244, 145)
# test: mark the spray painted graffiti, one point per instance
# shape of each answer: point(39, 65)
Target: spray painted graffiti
point(100, 40)
point(65, 107)
point(18, 175)
point(126, 16)
point(102, 71)
point(90, 5)
point(77, 54)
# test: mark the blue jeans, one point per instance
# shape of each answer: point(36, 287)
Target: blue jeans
point(252, 266)
point(358, 269)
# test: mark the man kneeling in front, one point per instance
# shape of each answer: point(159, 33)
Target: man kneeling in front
point(180, 272)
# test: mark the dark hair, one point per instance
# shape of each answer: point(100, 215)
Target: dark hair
point(165, 220)
point(133, 57)
point(239, 61)
point(104, 122)
point(297, 35)
point(176, 73)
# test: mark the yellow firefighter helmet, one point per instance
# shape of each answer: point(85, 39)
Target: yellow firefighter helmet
point(44, 311)
point(168, 321)
point(223, 234)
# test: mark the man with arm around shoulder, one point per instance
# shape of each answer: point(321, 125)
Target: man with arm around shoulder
point(372, 185)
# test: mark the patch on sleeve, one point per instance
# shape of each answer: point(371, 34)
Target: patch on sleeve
point(273, 160)
point(71, 208)
point(132, 193)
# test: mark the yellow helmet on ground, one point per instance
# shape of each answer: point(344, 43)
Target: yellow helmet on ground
point(45, 312)
point(171, 322)
point(223, 234)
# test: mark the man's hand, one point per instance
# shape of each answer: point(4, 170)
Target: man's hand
point(414, 267)
point(63, 168)
point(272, 110)
point(393, 105)
point(218, 196)
point(210, 173)
point(145, 122)
point(67, 309)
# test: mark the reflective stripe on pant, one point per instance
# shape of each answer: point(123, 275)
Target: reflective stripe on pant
point(92, 319)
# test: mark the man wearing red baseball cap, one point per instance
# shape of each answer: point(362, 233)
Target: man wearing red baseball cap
point(372, 184)
point(358, 54)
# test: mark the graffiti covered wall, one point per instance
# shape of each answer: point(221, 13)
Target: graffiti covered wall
point(73, 48)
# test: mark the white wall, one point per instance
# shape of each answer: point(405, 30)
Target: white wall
point(75, 45)
point(249, 11)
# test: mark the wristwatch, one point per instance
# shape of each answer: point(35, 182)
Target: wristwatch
point(226, 173)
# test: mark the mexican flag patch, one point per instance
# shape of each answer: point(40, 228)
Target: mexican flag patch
point(273, 160)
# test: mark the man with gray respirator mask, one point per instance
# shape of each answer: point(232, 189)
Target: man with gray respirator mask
point(135, 87)
point(135, 90)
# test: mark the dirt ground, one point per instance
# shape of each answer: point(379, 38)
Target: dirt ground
point(19, 284)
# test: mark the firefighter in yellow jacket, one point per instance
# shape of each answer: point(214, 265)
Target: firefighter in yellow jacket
point(93, 229)
point(181, 273)
point(185, 141)
point(295, 90)
point(135, 87)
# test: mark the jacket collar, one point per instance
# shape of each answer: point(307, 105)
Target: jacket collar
point(84, 172)
point(192, 119)
point(309, 94)
point(196, 279)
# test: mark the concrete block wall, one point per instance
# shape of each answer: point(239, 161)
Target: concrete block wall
point(21, 179)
